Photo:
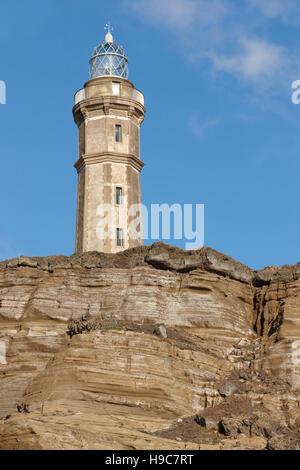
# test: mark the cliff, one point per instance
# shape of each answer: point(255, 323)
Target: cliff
point(152, 348)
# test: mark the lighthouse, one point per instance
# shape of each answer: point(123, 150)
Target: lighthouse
point(108, 111)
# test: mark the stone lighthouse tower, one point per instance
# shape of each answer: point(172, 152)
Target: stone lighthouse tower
point(108, 111)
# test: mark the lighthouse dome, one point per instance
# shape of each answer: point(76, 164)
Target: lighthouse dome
point(109, 59)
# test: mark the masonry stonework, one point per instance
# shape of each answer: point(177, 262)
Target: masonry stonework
point(105, 164)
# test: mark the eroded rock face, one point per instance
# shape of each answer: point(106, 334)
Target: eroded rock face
point(110, 351)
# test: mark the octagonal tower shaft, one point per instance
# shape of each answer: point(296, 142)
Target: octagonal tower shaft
point(108, 112)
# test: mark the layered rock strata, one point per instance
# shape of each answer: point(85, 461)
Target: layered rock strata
point(151, 348)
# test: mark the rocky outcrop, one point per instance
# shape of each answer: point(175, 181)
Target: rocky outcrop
point(151, 348)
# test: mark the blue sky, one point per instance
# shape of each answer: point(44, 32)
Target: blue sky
point(220, 127)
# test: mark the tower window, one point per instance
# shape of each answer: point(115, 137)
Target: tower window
point(116, 88)
point(118, 196)
point(119, 237)
point(118, 133)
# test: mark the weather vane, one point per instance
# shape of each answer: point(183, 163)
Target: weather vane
point(108, 27)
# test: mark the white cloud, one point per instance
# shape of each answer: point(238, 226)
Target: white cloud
point(198, 128)
point(288, 11)
point(181, 14)
point(177, 14)
point(270, 8)
point(232, 35)
point(257, 59)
